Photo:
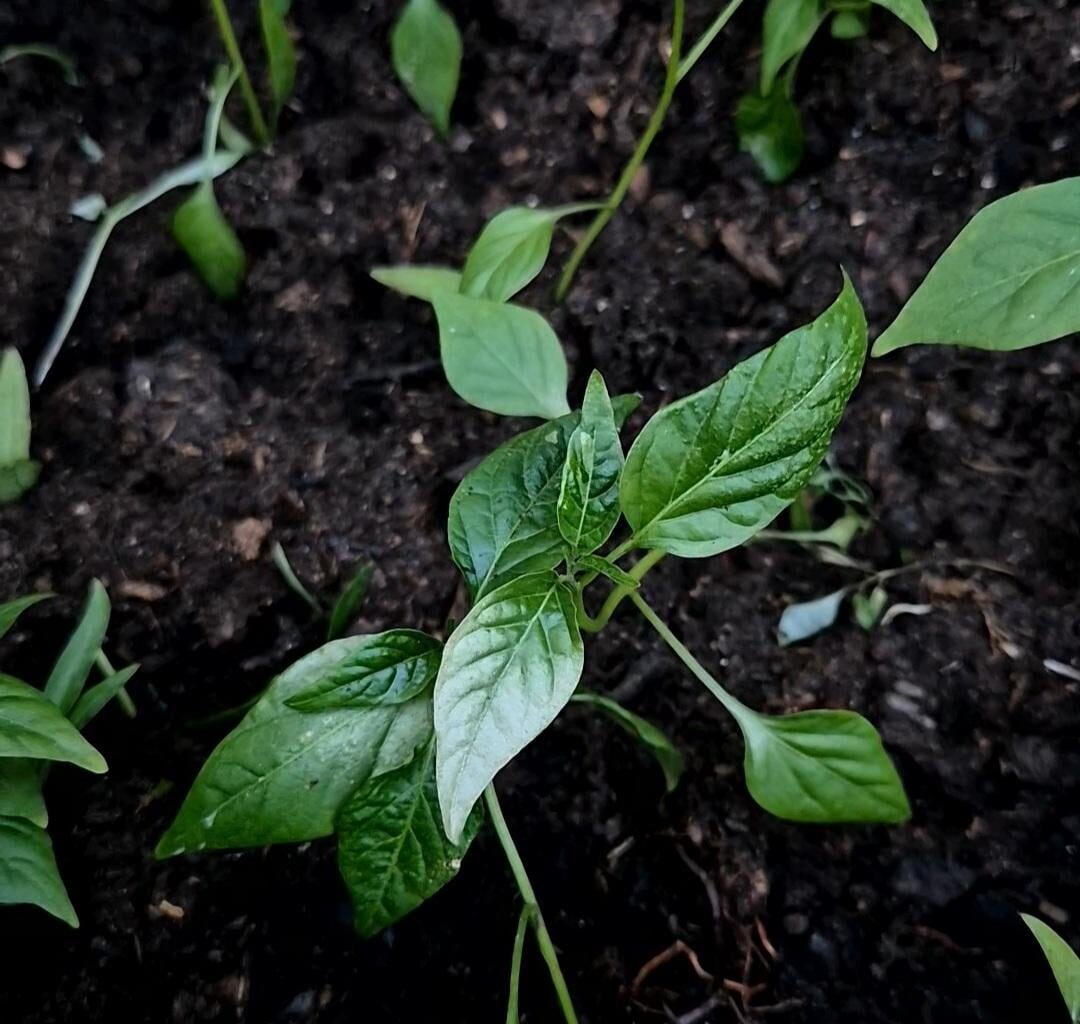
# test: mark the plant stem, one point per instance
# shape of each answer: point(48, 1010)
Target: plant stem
point(528, 894)
point(512, 1016)
point(706, 39)
point(123, 698)
point(232, 48)
point(600, 221)
point(615, 598)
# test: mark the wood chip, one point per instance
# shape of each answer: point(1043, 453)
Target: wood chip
point(248, 536)
point(738, 246)
point(142, 590)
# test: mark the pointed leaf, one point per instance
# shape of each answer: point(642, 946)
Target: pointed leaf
point(384, 668)
point(93, 701)
point(1011, 279)
point(711, 470)
point(18, 472)
point(501, 357)
point(770, 129)
point(808, 618)
point(347, 606)
point(205, 235)
point(596, 563)
point(69, 675)
point(868, 608)
point(914, 14)
point(512, 249)
point(281, 775)
point(418, 282)
point(507, 671)
point(28, 871)
point(11, 610)
point(588, 506)
point(425, 47)
point(31, 726)
point(1063, 962)
point(280, 52)
point(20, 790)
point(787, 28)
point(392, 851)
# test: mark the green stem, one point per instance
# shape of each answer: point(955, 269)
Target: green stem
point(600, 221)
point(232, 48)
point(512, 1015)
point(706, 39)
point(528, 894)
point(123, 698)
point(615, 598)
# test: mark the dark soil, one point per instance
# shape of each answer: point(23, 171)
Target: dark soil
point(313, 411)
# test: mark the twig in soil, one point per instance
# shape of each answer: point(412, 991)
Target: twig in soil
point(397, 372)
point(699, 1013)
point(710, 889)
point(677, 948)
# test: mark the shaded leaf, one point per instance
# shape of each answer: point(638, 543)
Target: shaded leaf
point(93, 700)
point(425, 48)
point(770, 129)
point(46, 52)
point(852, 24)
point(280, 52)
point(31, 726)
point(787, 28)
point(1063, 962)
point(11, 610)
point(28, 871)
point(808, 618)
point(205, 235)
point(418, 282)
point(347, 606)
point(72, 668)
point(20, 790)
point(914, 14)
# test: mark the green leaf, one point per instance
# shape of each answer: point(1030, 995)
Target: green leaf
point(711, 470)
point(72, 668)
point(280, 52)
point(770, 129)
point(93, 701)
point(787, 28)
point(425, 48)
point(205, 235)
point(597, 563)
point(588, 505)
point(20, 790)
point(512, 249)
point(820, 766)
point(507, 671)
point(652, 739)
point(31, 726)
point(384, 668)
point(1063, 962)
point(11, 610)
point(854, 24)
point(392, 851)
point(347, 606)
point(281, 775)
point(807, 619)
point(418, 282)
point(28, 871)
point(1011, 279)
point(501, 357)
point(914, 14)
point(868, 607)
point(503, 516)
point(18, 472)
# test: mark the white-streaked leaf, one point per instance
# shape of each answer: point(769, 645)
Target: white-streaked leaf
point(418, 282)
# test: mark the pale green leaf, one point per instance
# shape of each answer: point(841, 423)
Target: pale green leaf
point(507, 671)
point(418, 282)
point(914, 14)
point(384, 668)
point(280, 52)
point(1063, 962)
point(281, 775)
point(18, 472)
point(787, 28)
point(206, 236)
point(512, 249)
point(1011, 279)
point(501, 357)
point(425, 48)
point(711, 470)
point(20, 790)
point(32, 726)
point(11, 610)
point(770, 129)
point(72, 668)
point(28, 871)
point(392, 851)
point(808, 618)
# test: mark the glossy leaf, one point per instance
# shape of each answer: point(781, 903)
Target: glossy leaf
point(501, 357)
point(711, 470)
point(347, 606)
point(418, 282)
point(512, 249)
point(392, 851)
point(914, 14)
point(503, 516)
point(94, 699)
point(384, 668)
point(507, 671)
point(31, 726)
point(651, 739)
point(787, 28)
point(425, 47)
point(280, 52)
point(588, 506)
point(821, 766)
point(808, 618)
point(18, 472)
point(1011, 279)
point(11, 610)
point(206, 236)
point(20, 790)
point(1063, 962)
point(28, 871)
point(72, 668)
point(281, 775)
point(605, 567)
point(770, 129)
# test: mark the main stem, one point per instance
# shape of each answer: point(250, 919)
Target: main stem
point(615, 598)
point(232, 48)
point(528, 894)
point(600, 221)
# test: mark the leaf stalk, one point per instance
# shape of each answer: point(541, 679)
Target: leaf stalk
point(236, 58)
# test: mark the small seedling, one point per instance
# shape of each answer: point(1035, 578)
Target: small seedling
point(425, 49)
point(37, 728)
point(1063, 962)
point(391, 741)
point(343, 611)
point(18, 472)
point(768, 122)
point(42, 51)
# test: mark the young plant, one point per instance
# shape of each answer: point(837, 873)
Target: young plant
point(1063, 962)
point(37, 728)
point(425, 49)
point(392, 740)
point(18, 472)
point(767, 120)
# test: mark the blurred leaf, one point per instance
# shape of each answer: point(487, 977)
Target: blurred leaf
point(868, 608)
point(425, 48)
point(770, 129)
point(46, 52)
point(347, 606)
point(205, 235)
point(418, 282)
point(18, 472)
point(11, 610)
point(280, 52)
point(802, 621)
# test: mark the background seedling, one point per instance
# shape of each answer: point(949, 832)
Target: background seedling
point(1063, 962)
point(45, 52)
point(425, 48)
point(18, 472)
point(343, 611)
point(405, 735)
